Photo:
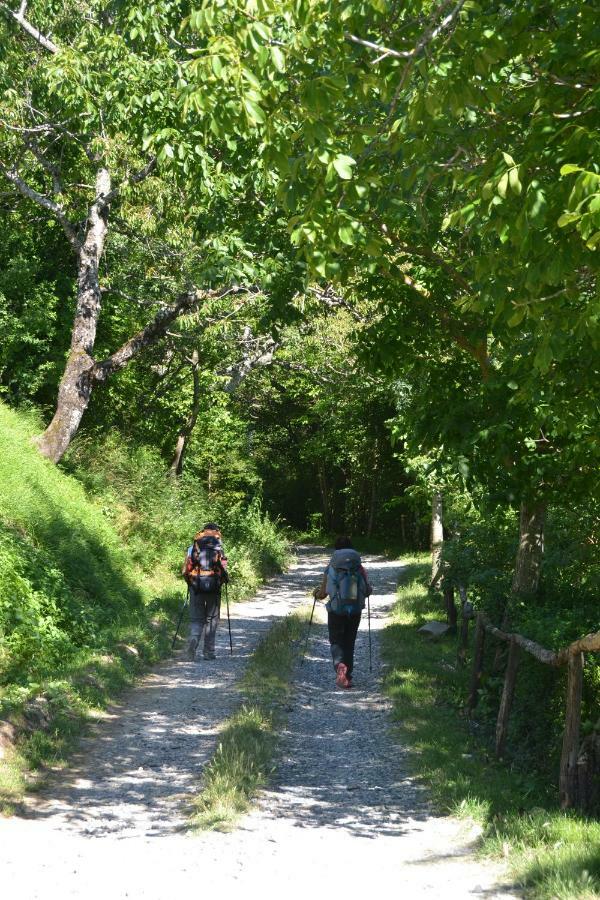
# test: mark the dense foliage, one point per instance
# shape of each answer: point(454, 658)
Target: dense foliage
point(347, 261)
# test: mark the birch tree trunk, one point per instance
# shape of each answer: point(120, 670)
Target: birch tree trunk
point(437, 539)
point(76, 383)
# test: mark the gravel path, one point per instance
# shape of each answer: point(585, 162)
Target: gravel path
point(341, 815)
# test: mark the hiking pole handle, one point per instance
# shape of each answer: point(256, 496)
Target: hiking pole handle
point(185, 603)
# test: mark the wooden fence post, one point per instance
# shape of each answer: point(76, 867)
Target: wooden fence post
point(448, 591)
point(477, 663)
point(508, 693)
point(463, 640)
point(567, 786)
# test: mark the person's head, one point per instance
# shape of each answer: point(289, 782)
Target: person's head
point(343, 543)
point(211, 526)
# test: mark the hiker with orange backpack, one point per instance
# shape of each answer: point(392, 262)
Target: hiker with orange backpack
point(346, 583)
point(205, 570)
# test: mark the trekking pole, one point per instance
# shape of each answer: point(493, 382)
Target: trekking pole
point(185, 603)
point(308, 631)
point(228, 621)
point(369, 620)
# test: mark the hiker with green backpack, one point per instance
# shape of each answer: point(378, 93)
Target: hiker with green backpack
point(346, 583)
point(205, 570)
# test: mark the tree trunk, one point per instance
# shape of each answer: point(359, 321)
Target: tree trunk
point(531, 548)
point(187, 429)
point(437, 539)
point(324, 496)
point(528, 562)
point(76, 383)
point(374, 490)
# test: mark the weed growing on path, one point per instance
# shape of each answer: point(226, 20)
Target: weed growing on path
point(244, 757)
point(554, 855)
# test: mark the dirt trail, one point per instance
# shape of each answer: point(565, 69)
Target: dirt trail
point(341, 816)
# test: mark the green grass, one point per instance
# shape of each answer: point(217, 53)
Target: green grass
point(553, 854)
point(88, 559)
point(244, 757)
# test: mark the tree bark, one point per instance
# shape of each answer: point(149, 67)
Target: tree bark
point(508, 693)
point(187, 429)
point(528, 562)
point(570, 747)
point(324, 495)
point(76, 383)
point(437, 539)
point(374, 490)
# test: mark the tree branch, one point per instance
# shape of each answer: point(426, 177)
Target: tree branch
point(32, 31)
point(36, 151)
point(186, 302)
point(41, 200)
point(133, 179)
point(429, 35)
point(330, 298)
point(263, 356)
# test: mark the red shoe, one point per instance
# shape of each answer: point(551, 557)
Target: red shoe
point(341, 678)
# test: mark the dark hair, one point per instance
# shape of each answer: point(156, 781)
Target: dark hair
point(211, 526)
point(343, 543)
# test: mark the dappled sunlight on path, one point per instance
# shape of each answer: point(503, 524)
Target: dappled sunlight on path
point(341, 815)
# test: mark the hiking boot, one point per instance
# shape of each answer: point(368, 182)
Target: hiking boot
point(341, 678)
point(190, 651)
point(209, 654)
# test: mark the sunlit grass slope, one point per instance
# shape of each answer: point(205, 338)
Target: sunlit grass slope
point(64, 574)
point(90, 553)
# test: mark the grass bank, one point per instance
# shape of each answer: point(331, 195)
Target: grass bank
point(552, 854)
point(89, 556)
point(245, 754)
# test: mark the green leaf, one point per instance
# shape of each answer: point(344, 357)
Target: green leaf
point(508, 159)
point(503, 185)
point(514, 182)
point(347, 235)
point(568, 169)
point(255, 113)
point(343, 166)
point(567, 218)
point(278, 59)
point(517, 317)
point(594, 241)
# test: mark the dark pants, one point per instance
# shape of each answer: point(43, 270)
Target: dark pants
point(342, 637)
point(204, 614)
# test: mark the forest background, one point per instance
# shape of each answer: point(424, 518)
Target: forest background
point(296, 264)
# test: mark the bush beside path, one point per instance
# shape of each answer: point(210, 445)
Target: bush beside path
point(340, 814)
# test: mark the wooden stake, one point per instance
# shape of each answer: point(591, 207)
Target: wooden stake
point(508, 693)
point(567, 785)
point(477, 663)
